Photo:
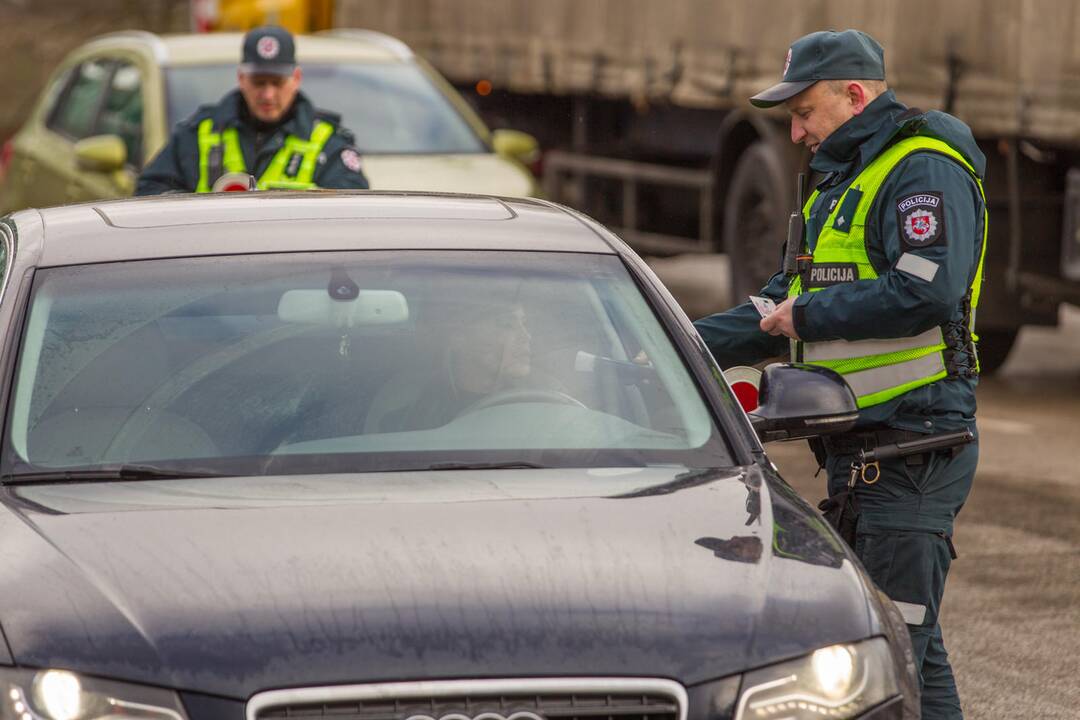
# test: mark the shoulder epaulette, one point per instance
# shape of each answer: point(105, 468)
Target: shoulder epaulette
point(331, 117)
point(201, 113)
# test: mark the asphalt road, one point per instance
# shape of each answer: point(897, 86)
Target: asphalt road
point(1011, 615)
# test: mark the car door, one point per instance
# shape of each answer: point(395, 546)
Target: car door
point(50, 148)
point(120, 113)
point(102, 95)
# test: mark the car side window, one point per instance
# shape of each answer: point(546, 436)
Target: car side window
point(122, 111)
point(55, 92)
point(77, 109)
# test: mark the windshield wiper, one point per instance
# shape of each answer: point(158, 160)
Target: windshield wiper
point(510, 465)
point(116, 472)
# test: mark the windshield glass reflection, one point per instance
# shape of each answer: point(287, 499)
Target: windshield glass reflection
point(390, 108)
point(339, 362)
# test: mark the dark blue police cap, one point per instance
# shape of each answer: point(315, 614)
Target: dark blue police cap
point(268, 50)
point(825, 55)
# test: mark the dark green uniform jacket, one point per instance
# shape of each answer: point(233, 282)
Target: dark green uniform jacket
point(176, 167)
point(896, 304)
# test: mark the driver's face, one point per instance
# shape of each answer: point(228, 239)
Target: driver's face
point(500, 344)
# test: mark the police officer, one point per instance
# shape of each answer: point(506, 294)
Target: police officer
point(885, 294)
point(266, 128)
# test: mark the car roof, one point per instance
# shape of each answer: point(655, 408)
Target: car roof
point(262, 222)
point(224, 48)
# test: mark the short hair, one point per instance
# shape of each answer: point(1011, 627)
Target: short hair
point(874, 87)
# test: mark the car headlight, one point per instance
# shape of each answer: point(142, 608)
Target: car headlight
point(839, 681)
point(64, 695)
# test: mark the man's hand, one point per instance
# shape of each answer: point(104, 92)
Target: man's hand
point(779, 321)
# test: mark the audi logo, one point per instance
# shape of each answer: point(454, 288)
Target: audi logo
point(519, 715)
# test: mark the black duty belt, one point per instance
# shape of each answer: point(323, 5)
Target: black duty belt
point(852, 443)
point(872, 447)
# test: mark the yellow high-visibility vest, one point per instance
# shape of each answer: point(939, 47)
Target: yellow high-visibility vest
point(276, 176)
point(878, 370)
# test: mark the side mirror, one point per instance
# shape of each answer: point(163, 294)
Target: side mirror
point(515, 144)
point(802, 401)
point(101, 153)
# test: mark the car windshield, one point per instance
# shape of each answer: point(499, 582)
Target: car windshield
point(392, 108)
point(351, 362)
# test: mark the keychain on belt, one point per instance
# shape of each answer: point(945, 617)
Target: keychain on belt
point(868, 472)
point(867, 464)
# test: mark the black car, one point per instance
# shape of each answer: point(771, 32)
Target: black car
point(401, 457)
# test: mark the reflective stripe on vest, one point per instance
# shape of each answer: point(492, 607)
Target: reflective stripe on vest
point(232, 159)
point(276, 176)
point(879, 370)
point(876, 385)
point(846, 350)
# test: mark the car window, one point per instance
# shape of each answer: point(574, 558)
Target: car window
point(54, 92)
point(76, 111)
point(392, 108)
point(121, 113)
point(353, 361)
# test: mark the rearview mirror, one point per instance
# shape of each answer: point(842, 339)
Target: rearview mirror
point(802, 401)
point(101, 153)
point(369, 307)
point(515, 144)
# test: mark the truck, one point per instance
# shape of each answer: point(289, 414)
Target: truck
point(641, 108)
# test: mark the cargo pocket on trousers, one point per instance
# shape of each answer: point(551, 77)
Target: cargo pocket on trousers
point(910, 567)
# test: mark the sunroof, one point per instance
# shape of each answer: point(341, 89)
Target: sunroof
point(260, 207)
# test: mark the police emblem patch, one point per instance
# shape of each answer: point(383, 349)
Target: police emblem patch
point(268, 47)
point(351, 159)
point(920, 227)
point(922, 219)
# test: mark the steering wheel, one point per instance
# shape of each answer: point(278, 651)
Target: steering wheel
point(129, 434)
point(509, 397)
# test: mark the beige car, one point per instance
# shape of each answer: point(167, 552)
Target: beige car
point(112, 103)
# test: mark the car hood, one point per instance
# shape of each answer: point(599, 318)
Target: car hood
point(480, 173)
point(233, 586)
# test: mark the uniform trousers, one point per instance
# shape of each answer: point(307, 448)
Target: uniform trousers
point(904, 540)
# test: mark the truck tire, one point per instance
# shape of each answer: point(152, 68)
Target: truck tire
point(993, 348)
point(756, 212)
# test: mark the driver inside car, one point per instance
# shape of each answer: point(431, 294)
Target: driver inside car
point(487, 353)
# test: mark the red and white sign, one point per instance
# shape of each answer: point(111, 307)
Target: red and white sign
point(233, 182)
point(744, 382)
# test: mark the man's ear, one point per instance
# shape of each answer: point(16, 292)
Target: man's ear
point(297, 75)
point(857, 96)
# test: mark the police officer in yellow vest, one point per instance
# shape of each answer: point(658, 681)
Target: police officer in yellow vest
point(266, 128)
point(885, 295)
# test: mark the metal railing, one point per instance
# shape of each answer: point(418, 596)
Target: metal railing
point(565, 174)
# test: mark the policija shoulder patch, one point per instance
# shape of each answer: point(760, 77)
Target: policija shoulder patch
point(922, 219)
